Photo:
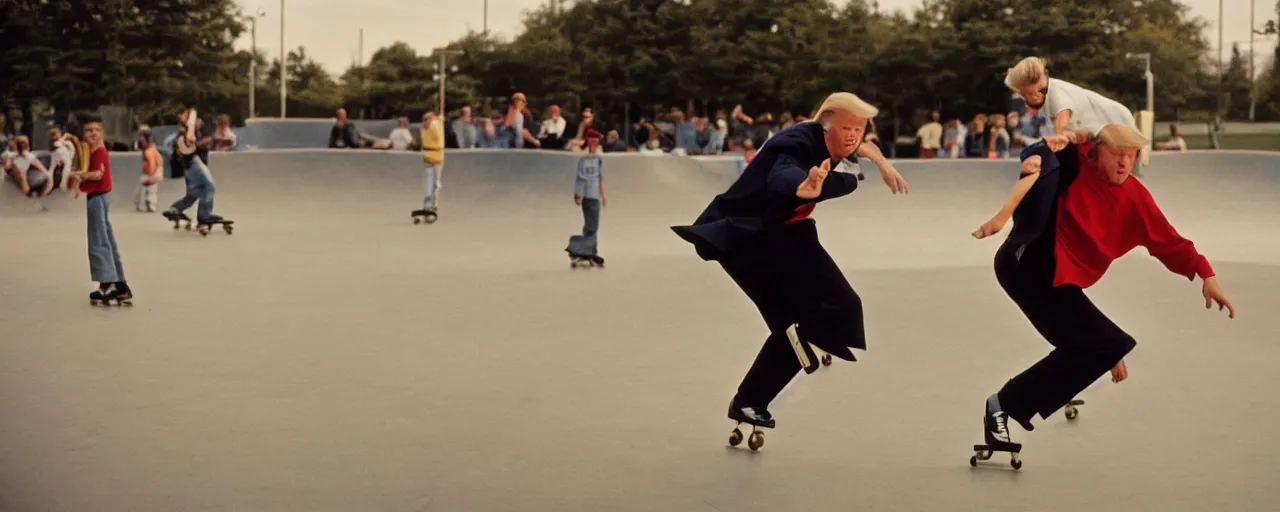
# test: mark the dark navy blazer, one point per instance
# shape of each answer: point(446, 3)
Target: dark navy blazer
point(1057, 172)
point(764, 197)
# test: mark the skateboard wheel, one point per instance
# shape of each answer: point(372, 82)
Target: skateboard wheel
point(735, 437)
point(973, 461)
point(1071, 413)
point(826, 360)
point(756, 441)
point(417, 220)
point(1017, 464)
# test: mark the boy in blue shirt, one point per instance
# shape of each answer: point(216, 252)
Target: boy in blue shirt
point(588, 192)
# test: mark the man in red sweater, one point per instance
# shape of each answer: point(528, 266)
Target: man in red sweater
point(104, 255)
point(1076, 209)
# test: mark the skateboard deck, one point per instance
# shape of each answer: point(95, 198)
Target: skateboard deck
point(584, 261)
point(205, 227)
point(420, 216)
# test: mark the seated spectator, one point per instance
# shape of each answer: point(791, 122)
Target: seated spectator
point(401, 138)
point(62, 152)
point(343, 134)
point(551, 133)
point(25, 168)
point(976, 141)
point(614, 143)
point(465, 130)
point(223, 138)
point(997, 138)
point(686, 131)
point(1175, 142)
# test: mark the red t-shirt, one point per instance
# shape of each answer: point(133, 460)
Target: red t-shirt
point(1099, 222)
point(98, 159)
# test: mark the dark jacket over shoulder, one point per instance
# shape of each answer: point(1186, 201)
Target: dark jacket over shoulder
point(764, 197)
point(1057, 172)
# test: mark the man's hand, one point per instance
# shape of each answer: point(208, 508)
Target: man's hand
point(1057, 142)
point(1031, 165)
point(1212, 293)
point(1119, 373)
point(577, 199)
point(893, 179)
point(604, 203)
point(811, 187)
point(990, 227)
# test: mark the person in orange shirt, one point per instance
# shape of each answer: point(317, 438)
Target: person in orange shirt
point(147, 194)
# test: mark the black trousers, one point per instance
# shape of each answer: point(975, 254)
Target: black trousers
point(792, 280)
point(1086, 343)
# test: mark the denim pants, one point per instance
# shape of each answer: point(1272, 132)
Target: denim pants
point(585, 244)
point(199, 187)
point(104, 254)
point(432, 185)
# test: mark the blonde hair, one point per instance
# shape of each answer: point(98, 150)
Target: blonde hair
point(1026, 72)
point(1120, 136)
point(843, 101)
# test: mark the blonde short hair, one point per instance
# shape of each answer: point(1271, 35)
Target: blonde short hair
point(1026, 72)
point(843, 101)
point(1120, 136)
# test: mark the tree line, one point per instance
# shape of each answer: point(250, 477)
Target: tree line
point(640, 57)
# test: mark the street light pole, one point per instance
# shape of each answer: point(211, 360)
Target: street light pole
point(284, 72)
point(253, 63)
point(1253, 85)
point(1151, 79)
point(444, 53)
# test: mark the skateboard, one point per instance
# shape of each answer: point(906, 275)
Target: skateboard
point(205, 227)
point(577, 261)
point(982, 452)
point(754, 442)
point(177, 219)
point(111, 302)
point(107, 302)
point(419, 216)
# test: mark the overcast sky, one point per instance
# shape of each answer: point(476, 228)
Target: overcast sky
point(330, 29)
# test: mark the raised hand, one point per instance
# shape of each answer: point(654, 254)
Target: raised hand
point(811, 187)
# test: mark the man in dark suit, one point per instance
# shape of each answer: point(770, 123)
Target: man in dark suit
point(761, 234)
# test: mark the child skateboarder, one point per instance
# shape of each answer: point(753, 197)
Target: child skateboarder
point(190, 155)
point(433, 156)
point(588, 193)
point(104, 254)
point(149, 182)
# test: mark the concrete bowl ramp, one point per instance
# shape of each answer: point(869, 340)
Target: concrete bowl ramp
point(331, 355)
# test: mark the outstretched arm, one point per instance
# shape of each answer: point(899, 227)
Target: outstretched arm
point(1030, 173)
point(887, 172)
point(1177, 253)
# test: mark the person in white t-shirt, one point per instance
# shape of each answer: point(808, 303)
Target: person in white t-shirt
point(1069, 106)
point(1175, 142)
point(930, 136)
point(400, 137)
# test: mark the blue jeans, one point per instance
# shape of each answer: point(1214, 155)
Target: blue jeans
point(585, 244)
point(432, 184)
point(104, 254)
point(199, 187)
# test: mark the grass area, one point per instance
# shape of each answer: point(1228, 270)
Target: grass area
point(1255, 141)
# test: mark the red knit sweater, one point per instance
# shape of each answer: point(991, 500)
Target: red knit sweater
point(1099, 222)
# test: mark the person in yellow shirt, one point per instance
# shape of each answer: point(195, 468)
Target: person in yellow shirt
point(433, 157)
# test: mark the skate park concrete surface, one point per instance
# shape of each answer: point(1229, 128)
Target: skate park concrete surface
point(332, 356)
